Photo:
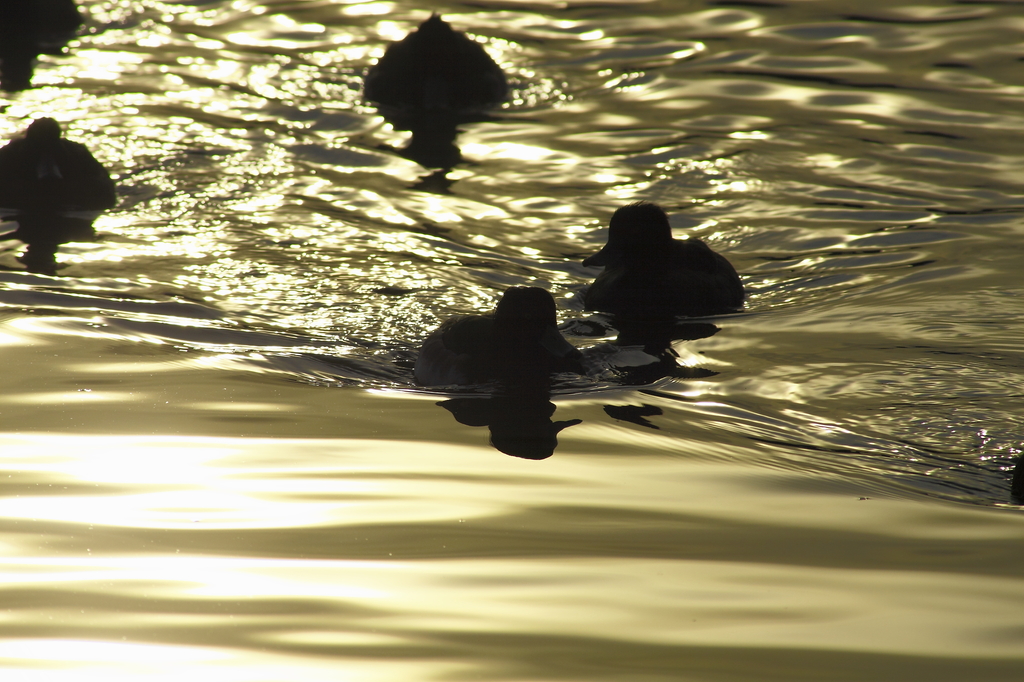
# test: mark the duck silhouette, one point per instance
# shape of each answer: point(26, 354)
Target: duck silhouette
point(436, 68)
point(649, 275)
point(429, 83)
point(518, 345)
point(44, 172)
point(29, 28)
point(54, 189)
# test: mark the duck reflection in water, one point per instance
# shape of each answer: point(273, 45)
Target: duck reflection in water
point(518, 346)
point(655, 338)
point(429, 83)
point(29, 28)
point(54, 189)
point(520, 424)
point(643, 351)
point(649, 275)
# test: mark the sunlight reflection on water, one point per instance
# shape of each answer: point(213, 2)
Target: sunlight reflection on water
point(215, 456)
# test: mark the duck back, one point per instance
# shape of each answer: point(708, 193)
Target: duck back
point(53, 174)
point(688, 278)
point(436, 68)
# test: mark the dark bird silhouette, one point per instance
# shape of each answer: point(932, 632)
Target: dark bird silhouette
point(436, 68)
point(650, 275)
point(44, 172)
point(518, 345)
point(29, 28)
point(54, 189)
point(429, 83)
point(1017, 486)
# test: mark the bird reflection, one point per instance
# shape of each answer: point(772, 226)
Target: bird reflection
point(54, 189)
point(520, 423)
point(429, 83)
point(656, 338)
point(432, 144)
point(43, 233)
point(643, 352)
point(29, 28)
point(635, 414)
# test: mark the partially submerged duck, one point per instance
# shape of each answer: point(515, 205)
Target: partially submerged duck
point(648, 274)
point(518, 345)
point(44, 172)
point(436, 68)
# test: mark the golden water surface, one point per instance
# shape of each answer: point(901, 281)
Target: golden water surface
point(214, 462)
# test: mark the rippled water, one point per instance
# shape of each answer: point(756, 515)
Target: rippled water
point(216, 461)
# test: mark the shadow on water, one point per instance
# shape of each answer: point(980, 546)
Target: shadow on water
point(29, 28)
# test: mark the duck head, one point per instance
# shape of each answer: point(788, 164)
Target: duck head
point(639, 229)
point(44, 136)
point(525, 325)
point(43, 130)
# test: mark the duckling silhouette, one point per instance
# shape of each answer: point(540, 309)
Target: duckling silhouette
point(650, 275)
point(54, 189)
point(436, 68)
point(518, 345)
point(29, 28)
point(429, 83)
point(44, 172)
point(1017, 485)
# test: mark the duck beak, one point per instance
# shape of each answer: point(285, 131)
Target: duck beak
point(553, 342)
point(598, 259)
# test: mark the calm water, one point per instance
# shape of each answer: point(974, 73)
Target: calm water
point(214, 460)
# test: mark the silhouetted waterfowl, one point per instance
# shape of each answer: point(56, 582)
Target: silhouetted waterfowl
point(44, 172)
point(518, 345)
point(436, 68)
point(648, 274)
point(29, 28)
point(1017, 486)
point(54, 189)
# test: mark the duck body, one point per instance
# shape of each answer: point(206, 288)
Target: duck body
point(650, 275)
point(436, 69)
point(518, 345)
point(43, 172)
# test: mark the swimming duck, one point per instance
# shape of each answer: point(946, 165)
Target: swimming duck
point(44, 172)
point(29, 28)
point(648, 274)
point(518, 345)
point(436, 68)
